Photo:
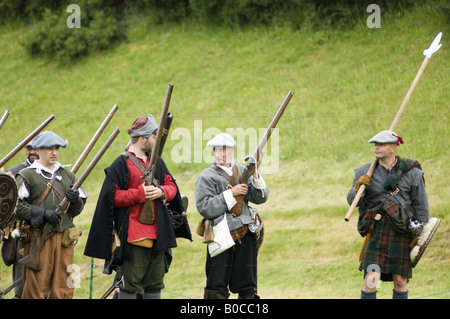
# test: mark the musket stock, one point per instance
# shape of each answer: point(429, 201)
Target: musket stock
point(147, 215)
point(255, 160)
point(26, 140)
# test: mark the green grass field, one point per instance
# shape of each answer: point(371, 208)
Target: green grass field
point(348, 86)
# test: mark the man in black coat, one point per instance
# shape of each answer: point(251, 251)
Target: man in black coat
point(17, 268)
point(145, 249)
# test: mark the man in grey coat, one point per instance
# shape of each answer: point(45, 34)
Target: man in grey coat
point(234, 268)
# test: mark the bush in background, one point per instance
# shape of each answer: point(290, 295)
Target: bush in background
point(100, 30)
point(104, 23)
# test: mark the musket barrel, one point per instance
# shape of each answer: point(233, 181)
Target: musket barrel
point(272, 125)
point(4, 117)
point(91, 166)
point(250, 167)
point(165, 133)
point(147, 213)
point(159, 133)
point(27, 140)
point(96, 158)
point(94, 139)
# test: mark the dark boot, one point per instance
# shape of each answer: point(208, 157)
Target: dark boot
point(400, 294)
point(216, 294)
point(368, 295)
point(248, 294)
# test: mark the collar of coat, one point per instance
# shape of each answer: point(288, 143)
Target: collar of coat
point(402, 166)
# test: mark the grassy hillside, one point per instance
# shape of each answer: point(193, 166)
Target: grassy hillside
point(348, 86)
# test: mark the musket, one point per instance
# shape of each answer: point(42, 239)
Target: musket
point(26, 140)
point(62, 207)
point(94, 139)
point(113, 287)
point(428, 53)
point(165, 132)
point(14, 285)
point(255, 160)
point(147, 215)
point(32, 259)
point(4, 117)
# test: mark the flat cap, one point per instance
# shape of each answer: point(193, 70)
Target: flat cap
point(48, 139)
point(386, 137)
point(222, 139)
point(143, 126)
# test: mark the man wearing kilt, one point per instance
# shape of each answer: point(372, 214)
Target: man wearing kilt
point(394, 199)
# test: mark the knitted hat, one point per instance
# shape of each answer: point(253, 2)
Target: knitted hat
point(143, 126)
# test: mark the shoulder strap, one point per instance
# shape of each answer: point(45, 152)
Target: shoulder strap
point(57, 186)
point(139, 165)
point(135, 161)
point(403, 165)
point(233, 180)
point(45, 192)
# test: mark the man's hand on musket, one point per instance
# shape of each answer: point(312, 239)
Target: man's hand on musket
point(152, 192)
point(239, 189)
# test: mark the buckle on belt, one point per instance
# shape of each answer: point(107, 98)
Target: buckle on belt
point(395, 192)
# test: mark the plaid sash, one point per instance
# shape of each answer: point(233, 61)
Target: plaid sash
point(393, 211)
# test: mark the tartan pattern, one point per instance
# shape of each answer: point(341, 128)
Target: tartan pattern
point(389, 245)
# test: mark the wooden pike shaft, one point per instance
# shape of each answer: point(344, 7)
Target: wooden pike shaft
point(28, 139)
point(391, 128)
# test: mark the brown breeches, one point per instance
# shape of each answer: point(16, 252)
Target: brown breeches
point(52, 280)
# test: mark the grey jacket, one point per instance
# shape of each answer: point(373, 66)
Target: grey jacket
point(411, 186)
point(211, 200)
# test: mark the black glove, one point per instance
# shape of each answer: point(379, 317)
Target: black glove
point(72, 195)
point(52, 216)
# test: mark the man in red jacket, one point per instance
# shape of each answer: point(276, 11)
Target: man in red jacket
point(144, 252)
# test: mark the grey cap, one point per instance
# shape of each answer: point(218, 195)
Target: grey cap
point(48, 139)
point(222, 139)
point(386, 137)
point(143, 126)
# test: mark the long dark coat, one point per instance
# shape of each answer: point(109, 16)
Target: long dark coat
point(107, 217)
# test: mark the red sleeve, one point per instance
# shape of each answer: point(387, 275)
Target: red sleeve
point(169, 188)
point(130, 197)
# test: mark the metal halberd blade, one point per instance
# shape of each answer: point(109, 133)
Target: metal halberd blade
point(435, 45)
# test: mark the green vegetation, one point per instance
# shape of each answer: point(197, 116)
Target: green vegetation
point(348, 85)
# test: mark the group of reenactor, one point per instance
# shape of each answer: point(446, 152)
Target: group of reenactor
point(140, 253)
point(140, 213)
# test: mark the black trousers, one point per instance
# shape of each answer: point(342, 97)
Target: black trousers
point(234, 269)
